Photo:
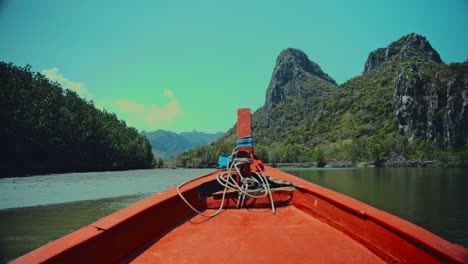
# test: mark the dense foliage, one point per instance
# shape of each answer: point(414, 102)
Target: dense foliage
point(205, 156)
point(47, 129)
point(355, 121)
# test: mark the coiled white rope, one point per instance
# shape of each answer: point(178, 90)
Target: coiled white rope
point(227, 180)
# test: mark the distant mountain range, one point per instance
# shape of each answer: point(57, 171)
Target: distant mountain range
point(407, 105)
point(167, 144)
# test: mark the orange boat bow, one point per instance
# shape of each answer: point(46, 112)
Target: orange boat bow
point(312, 224)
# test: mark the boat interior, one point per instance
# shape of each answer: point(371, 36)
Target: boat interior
point(309, 223)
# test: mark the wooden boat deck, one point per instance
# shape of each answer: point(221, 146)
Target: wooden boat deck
point(312, 225)
point(256, 236)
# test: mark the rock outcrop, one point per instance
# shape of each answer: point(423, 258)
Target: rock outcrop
point(430, 97)
point(406, 99)
point(406, 47)
point(291, 65)
point(431, 107)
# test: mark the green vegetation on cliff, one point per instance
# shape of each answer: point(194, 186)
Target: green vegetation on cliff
point(47, 129)
point(407, 105)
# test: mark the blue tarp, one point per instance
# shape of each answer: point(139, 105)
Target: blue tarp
point(223, 161)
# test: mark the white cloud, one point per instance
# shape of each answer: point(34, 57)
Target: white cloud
point(152, 115)
point(168, 93)
point(79, 87)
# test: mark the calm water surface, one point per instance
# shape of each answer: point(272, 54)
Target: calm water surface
point(40, 209)
point(434, 198)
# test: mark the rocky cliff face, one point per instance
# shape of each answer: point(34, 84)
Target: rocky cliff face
point(292, 65)
point(406, 89)
point(404, 48)
point(296, 89)
point(406, 97)
point(433, 109)
point(430, 99)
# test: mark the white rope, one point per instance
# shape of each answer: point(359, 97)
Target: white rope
point(227, 180)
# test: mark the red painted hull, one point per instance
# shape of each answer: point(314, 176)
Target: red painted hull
point(312, 224)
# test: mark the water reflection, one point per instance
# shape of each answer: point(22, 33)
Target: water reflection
point(434, 198)
point(25, 229)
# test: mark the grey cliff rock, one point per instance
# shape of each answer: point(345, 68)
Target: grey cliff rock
point(404, 48)
point(407, 99)
point(432, 109)
point(292, 65)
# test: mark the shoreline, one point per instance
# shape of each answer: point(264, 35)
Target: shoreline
point(369, 164)
point(26, 169)
point(329, 164)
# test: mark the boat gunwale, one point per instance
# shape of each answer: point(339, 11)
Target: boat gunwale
point(54, 249)
point(394, 224)
point(399, 226)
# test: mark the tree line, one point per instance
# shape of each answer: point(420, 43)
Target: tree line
point(377, 149)
point(45, 128)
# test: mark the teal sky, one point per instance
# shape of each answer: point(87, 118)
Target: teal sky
point(184, 65)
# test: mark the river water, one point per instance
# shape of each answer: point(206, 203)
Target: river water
point(37, 210)
point(433, 198)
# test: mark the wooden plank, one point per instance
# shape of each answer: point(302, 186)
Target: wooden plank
point(244, 127)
